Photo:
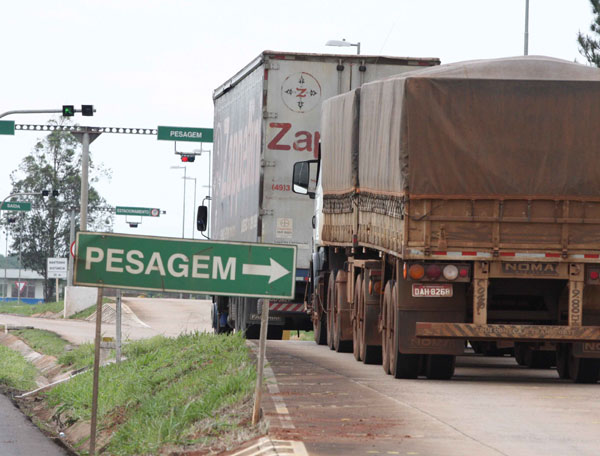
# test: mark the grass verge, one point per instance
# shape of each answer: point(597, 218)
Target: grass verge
point(83, 314)
point(15, 371)
point(170, 392)
point(21, 308)
point(43, 341)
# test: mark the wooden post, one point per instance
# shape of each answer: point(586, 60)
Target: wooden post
point(96, 372)
point(262, 348)
point(480, 282)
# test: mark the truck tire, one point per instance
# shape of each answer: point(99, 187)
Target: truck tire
point(584, 370)
point(320, 321)
point(274, 332)
point(387, 332)
point(356, 327)
point(341, 346)
point(401, 365)
point(370, 354)
point(330, 310)
point(252, 332)
point(562, 360)
point(440, 367)
point(520, 350)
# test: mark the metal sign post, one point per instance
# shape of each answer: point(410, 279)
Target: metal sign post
point(96, 373)
point(262, 348)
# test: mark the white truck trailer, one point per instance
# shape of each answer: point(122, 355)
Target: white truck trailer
point(267, 117)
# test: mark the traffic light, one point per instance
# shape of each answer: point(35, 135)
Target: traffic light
point(68, 110)
point(87, 110)
point(188, 158)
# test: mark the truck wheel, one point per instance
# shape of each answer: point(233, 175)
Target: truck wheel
point(370, 354)
point(440, 367)
point(520, 350)
point(252, 331)
point(539, 359)
point(387, 331)
point(401, 365)
point(356, 329)
point(319, 320)
point(274, 332)
point(330, 310)
point(584, 370)
point(341, 346)
point(562, 360)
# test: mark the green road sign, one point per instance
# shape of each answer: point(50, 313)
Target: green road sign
point(16, 206)
point(185, 134)
point(183, 265)
point(141, 211)
point(7, 127)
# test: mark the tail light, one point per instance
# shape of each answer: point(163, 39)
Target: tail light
point(416, 271)
point(463, 272)
point(594, 275)
point(433, 271)
point(450, 272)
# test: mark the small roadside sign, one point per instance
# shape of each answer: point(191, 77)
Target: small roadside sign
point(185, 134)
point(7, 127)
point(20, 285)
point(57, 268)
point(185, 265)
point(141, 211)
point(16, 206)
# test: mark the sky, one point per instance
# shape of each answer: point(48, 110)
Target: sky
point(156, 62)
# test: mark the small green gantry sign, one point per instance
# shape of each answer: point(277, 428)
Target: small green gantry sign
point(7, 127)
point(185, 134)
point(185, 265)
point(141, 211)
point(16, 206)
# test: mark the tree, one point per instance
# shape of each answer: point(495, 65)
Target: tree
point(43, 232)
point(589, 46)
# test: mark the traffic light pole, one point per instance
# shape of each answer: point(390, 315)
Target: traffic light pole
point(31, 111)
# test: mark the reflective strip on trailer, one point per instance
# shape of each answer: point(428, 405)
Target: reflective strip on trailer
point(523, 255)
point(286, 307)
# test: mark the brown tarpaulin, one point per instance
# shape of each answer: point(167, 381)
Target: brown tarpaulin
point(525, 127)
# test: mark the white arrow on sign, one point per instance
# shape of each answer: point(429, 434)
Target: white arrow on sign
point(274, 270)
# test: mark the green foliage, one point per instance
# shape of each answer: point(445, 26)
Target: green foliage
point(42, 341)
point(20, 308)
point(83, 314)
point(54, 164)
point(15, 371)
point(163, 389)
point(589, 46)
point(78, 358)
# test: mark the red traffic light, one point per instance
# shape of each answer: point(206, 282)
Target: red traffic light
point(188, 158)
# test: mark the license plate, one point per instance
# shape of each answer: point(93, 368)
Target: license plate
point(432, 291)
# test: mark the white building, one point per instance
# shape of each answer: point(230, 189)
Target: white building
point(30, 282)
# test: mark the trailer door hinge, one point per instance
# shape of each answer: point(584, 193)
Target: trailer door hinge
point(266, 212)
point(267, 164)
point(269, 115)
point(270, 65)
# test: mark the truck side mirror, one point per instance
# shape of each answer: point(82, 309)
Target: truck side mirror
point(301, 179)
point(202, 218)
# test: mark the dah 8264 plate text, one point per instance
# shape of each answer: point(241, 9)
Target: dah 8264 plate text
point(432, 291)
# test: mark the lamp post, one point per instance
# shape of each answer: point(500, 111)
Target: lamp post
point(344, 43)
point(194, 224)
point(184, 179)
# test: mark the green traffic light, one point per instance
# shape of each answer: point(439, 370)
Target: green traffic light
point(68, 110)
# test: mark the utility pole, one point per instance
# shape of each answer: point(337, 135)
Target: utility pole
point(526, 27)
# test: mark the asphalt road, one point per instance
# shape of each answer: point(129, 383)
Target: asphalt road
point(492, 407)
point(168, 317)
point(19, 437)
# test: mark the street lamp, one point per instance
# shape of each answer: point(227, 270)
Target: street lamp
point(343, 43)
point(184, 179)
point(194, 226)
